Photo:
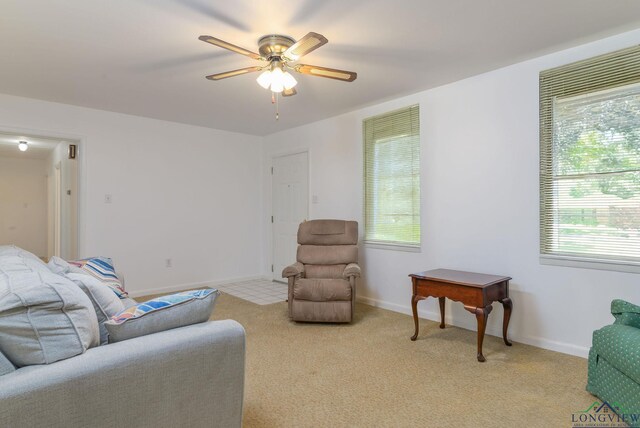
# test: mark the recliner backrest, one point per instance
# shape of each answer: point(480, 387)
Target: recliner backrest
point(327, 246)
point(328, 232)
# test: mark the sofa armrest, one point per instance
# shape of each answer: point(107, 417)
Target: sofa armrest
point(625, 313)
point(296, 269)
point(352, 269)
point(191, 376)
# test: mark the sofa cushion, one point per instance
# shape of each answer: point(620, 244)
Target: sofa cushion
point(162, 313)
point(5, 365)
point(102, 269)
point(44, 317)
point(321, 290)
point(105, 302)
point(620, 346)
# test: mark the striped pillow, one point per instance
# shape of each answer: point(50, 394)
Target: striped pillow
point(159, 303)
point(102, 269)
point(162, 313)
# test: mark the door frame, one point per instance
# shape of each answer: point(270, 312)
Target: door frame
point(57, 208)
point(275, 155)
point(79, 141)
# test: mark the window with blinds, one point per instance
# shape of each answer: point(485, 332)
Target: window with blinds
point(590, 159)
point(392, 178)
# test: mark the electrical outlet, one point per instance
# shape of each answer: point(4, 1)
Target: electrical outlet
point(107, 198)
point(168, 263)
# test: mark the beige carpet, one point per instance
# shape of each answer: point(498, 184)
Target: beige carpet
point(369, 374)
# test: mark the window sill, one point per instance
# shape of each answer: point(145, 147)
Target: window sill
point(589, 263)
point(393, 247)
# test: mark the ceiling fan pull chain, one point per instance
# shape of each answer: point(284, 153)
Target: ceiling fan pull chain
point(274, 100)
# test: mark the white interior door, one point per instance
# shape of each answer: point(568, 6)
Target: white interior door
point(290, 207)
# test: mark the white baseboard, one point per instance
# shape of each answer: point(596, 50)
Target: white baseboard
point(189, 286)
point(539, 342)
point(565, 348)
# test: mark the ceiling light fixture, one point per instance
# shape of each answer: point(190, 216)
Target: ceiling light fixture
point(23, 146)
point(276, 79)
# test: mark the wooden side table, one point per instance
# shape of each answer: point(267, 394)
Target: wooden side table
point(476, 291)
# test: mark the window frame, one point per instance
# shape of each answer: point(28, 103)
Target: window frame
point(608, 72)
point(414, 138)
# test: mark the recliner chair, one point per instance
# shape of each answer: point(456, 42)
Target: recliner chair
point(322, 283)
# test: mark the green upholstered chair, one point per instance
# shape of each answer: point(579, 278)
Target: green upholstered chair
point(614, 360)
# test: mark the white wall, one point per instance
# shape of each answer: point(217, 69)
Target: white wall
point(23, 204)
point(479, 144)
point(182, 192)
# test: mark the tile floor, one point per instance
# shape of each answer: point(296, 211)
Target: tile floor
point(258, 291)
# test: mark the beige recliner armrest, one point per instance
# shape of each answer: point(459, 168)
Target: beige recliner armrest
point(352, 269)
point(296, 269)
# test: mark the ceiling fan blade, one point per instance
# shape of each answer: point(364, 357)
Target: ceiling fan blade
point(331, 73)
point(308, 43)
point(233, 73)
point(289, 92)
point(229, 46)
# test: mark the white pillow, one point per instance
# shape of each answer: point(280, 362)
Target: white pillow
point(44, 317)
point(105, 302)
point(15, 259)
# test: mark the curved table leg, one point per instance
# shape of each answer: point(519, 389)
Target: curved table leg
point(441, 299)
point(481, 316)
point(414, 309)
point(507, 304)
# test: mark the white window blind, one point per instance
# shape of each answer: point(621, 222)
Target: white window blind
point(590, 159)
point(392, 178)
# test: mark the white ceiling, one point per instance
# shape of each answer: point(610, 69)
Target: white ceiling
point(38, 147)
point(143, 57)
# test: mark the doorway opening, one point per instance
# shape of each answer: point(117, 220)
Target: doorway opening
point(39, 194)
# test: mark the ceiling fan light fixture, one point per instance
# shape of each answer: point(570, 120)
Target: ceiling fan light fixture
point(265, 79)
point(276, 72)
point(288, 80)
point(276, 79)
point(277, 86)
point(23, 146)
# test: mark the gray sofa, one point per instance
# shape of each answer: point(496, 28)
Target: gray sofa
point(190, 376)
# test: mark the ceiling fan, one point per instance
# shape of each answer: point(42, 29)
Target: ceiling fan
point(280, 53)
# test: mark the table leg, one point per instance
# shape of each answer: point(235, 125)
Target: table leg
point(481, 316)
point(507, 305)
point(414, 308)
point(441, 299)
